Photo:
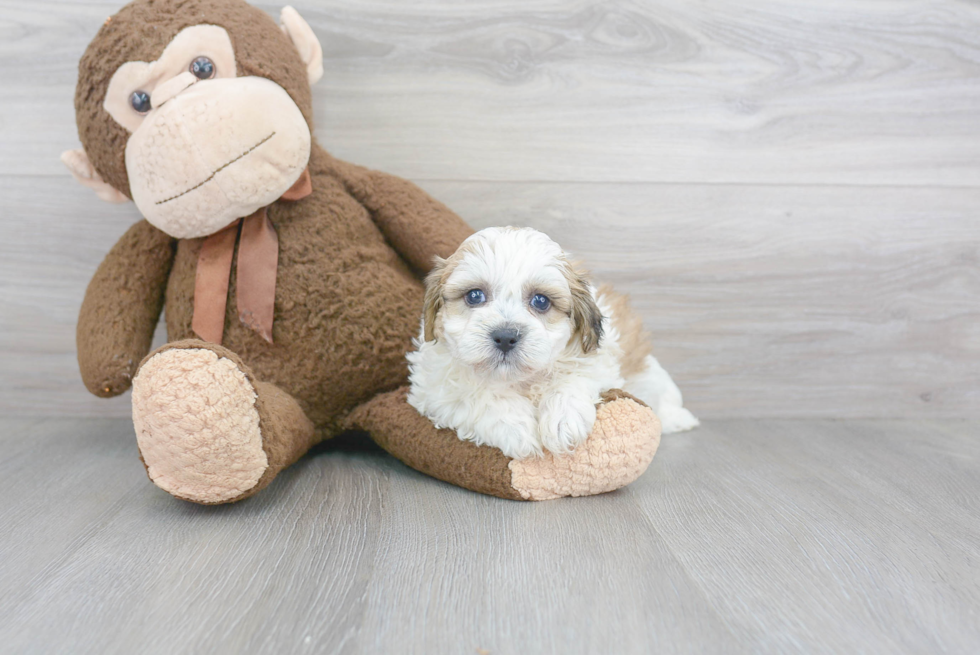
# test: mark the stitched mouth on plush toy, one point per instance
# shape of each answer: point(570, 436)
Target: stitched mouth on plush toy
point(218, 170)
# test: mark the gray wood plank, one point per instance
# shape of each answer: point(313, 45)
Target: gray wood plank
point(784, 536)
point(763, 300)
point(101, 568)
point(559, 584)
point(47, 463)
point(751, 91)
point(815, 536)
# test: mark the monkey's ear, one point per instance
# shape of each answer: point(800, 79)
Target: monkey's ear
point(308, 46)
point(83, 171)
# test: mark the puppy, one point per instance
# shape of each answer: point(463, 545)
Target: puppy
point(517, 346)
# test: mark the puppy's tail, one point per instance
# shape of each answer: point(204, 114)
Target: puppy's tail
point(654, 386)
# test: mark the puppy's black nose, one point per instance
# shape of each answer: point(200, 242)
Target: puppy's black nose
point(505, 338)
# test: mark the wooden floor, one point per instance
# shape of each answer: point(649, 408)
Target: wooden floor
point(781, 536)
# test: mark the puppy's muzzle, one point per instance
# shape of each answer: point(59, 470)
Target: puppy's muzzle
point(505, 338)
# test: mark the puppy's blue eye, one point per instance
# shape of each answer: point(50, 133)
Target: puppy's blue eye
point(541, 302)
point(475, 297)
point(140, 101)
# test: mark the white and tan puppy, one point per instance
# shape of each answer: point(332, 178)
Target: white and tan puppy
point(517, 346)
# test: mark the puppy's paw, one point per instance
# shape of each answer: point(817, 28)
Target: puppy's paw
point(676, 419)
point(565, 421)
point(515, 434)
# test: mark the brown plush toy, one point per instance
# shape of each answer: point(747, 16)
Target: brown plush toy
point(292, 280)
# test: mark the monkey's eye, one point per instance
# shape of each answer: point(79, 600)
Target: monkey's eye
point(203, 68)
point(475, 297)
point(541, 302)
point(140, 101)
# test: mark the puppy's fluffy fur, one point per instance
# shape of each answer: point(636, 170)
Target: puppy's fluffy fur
point(505, 368)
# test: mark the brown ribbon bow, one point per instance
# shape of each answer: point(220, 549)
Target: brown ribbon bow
point(258, 260)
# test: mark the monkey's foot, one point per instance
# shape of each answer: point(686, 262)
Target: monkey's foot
point(207, 430)
point(197, 425)
point(621, 446)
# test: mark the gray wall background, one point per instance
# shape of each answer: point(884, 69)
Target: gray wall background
point(790, 191)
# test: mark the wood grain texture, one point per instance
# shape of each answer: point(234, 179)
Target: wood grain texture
point(750, 91)
point(763, 300)
point(771, 536)
point(789, 191)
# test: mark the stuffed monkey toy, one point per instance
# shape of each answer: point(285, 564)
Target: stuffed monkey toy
point(291, 280)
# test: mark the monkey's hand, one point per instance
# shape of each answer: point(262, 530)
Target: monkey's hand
point(121, 309)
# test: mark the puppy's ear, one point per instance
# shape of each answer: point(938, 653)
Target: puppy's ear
point(433, 298)
point(585, 314)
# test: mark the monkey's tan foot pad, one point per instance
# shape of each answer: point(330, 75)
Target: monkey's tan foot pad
point(197, 425)
point(622, 445)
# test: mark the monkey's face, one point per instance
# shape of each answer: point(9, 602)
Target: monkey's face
point(205, 144)
point(207, 147)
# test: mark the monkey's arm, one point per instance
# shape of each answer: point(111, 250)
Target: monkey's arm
point(121, 309)
point(418, 226)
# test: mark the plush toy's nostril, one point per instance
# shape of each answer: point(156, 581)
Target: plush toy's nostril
point(171, 88)
point(505, 338)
